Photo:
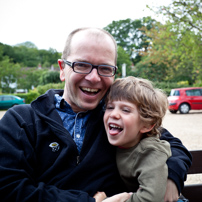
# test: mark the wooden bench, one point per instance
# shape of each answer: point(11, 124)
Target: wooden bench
point(194, 192)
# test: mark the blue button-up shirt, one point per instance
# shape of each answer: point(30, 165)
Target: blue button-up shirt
point(75, 123)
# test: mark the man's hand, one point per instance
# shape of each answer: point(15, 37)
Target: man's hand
point(171, 192)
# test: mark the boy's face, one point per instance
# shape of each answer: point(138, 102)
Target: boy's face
point(122, 124)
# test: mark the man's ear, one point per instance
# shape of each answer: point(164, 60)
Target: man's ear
point(146, 128)
point(61, 65)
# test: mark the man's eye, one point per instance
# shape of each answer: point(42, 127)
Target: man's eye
point(81, 65)
point(105, 69)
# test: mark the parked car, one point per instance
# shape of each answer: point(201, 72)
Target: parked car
point(7, 101)
point(185, 99)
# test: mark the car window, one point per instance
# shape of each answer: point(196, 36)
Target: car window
point(194, 92)
point(174, 93)
point(6, 98)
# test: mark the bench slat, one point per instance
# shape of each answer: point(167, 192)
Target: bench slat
point(193, 192)
point(196, 166)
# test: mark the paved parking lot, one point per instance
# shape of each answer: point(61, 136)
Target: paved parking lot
point(187, 127)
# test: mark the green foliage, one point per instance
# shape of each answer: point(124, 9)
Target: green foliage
point(180, 39)
point(42, 89)
point(18, 64)
point(129, 36)
point(9, 73)
point(27, 55)
point(123, 58)
point(30, 77)
point(35, 93)
point(185, 14)
point(198, 83)
point(151, 70)
point(32, 95)
point(49, 77)
point(167, 86)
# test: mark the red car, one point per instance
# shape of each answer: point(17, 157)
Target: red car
point(185, 99)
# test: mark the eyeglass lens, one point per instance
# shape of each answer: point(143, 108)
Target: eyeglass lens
point(86, 68)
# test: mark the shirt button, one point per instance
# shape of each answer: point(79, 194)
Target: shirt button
point(77, 135)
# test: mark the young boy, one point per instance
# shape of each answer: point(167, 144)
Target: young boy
point(133, 116)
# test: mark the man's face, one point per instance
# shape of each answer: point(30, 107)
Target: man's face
point(84, 91)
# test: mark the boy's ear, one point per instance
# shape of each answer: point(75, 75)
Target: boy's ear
point(146, 128)
point(61, 65)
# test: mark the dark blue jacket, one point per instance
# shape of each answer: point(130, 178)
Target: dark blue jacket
point(31, 170)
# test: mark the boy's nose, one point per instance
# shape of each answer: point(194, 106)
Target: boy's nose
point(115, 114)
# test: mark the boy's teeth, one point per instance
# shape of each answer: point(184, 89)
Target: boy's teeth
point(90, 90)
point(114, 126)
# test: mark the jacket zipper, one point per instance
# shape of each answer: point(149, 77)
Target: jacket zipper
point(78, 160)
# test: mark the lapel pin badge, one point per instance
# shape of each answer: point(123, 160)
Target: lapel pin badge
point(55, 146)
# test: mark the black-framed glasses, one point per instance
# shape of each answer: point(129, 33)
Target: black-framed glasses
point(86, 68)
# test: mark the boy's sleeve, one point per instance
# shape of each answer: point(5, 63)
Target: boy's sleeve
point(180, 161)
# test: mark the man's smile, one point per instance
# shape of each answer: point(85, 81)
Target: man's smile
point(93, 91)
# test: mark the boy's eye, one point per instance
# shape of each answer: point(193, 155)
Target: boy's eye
point(109, 107)
point(126, 110)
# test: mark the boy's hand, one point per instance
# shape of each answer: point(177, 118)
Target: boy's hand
point(99, 196)
point(119, 197)
point(171, 194)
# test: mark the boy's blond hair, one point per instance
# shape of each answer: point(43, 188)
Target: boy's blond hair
point(151, 102)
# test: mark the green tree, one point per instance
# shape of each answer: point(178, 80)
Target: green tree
point(9, 73)
point(49, 77)
point(184, 22)
point(183, 14)
point(27, 55)
point(123, 58)
point(130, 37)
point(154, 71)
point(29, 77)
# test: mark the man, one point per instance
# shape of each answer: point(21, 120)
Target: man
point(56, 149)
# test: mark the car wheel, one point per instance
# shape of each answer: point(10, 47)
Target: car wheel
point(184, 108)
point(173, 111)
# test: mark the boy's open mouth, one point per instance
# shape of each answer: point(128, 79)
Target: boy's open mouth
point(114, 129)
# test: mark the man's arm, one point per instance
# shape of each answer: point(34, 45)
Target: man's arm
point(179, 162)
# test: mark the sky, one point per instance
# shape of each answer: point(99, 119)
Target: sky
point(47, 23)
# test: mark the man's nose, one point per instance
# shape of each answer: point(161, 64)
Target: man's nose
point(93, 76)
